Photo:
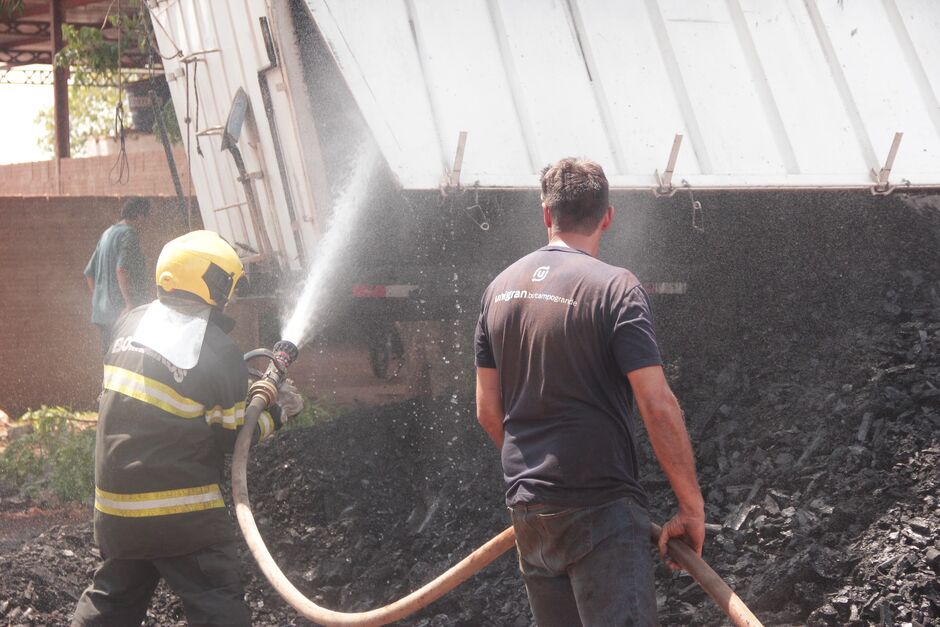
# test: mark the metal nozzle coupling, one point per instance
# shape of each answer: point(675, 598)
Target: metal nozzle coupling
point(265, 389)
point(281, 357)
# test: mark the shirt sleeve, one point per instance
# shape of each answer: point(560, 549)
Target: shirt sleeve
point(634, 337)
point(484, 351)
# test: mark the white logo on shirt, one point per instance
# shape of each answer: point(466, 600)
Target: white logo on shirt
point(540, 273)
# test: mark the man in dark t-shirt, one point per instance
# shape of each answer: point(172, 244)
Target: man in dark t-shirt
point(116, 273)
point(565, 346)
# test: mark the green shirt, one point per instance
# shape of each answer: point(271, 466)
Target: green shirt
point(118, 247)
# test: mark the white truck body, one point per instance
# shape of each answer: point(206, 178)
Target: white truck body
point(780, 94)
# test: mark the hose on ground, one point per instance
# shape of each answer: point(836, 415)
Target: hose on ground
point(717, 589)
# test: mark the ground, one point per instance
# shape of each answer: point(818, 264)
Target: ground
point(810, 385)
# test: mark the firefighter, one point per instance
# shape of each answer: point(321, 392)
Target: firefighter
point(173, 404)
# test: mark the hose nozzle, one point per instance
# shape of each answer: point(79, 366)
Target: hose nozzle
point(284, 355)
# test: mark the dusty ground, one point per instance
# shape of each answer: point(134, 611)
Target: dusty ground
point(21, 525)
point(810, 383)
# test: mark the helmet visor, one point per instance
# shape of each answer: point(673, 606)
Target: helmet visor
point(219, 284)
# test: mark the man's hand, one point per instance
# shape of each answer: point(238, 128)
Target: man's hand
point(290, 400)
point(689, 529)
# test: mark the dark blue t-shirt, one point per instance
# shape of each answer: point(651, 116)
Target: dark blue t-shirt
point(563, 329)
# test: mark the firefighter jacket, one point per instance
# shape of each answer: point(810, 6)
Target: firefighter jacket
point(163, 433)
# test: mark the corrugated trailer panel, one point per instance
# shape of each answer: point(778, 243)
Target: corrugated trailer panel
point(869, 40)
point(765, 93)
point(817, 131)
point(770, 93)
point(211, 51)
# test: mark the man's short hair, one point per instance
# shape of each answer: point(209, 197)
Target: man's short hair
point(135, 208)
point(577, 194)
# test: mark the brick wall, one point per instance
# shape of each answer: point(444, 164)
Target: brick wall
point(49, 350)
point(148, 175)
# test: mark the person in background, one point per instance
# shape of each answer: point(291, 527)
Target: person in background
point(564, 347)
point(175, 386)
point(116, 272)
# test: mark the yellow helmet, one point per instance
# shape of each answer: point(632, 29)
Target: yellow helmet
point(202, 264)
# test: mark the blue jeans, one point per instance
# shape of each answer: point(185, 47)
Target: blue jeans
point(589, 566)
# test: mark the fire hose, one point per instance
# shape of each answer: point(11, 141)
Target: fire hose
point(263, 393)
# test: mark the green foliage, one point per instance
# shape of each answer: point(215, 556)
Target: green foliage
point(314, 413)
point(73, 467)
point(86, 51)
point(91, 115)
point(56, 457)
point(91, 57)
point(20, 462)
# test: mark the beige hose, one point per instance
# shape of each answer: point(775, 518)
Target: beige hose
point(711, 582)
point(460, 572)
point(418, 599)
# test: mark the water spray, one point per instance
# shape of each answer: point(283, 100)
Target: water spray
point(300, 323)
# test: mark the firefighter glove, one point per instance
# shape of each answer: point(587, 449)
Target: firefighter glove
point(290, 400)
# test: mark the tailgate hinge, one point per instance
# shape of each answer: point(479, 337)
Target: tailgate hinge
point(883, 186)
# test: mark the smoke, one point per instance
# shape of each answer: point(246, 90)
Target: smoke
point(303, 319)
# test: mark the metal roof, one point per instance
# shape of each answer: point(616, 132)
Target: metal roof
point(765, 93)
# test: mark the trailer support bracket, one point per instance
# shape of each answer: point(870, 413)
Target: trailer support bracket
point(453, 178)
point(883, 186)
point(664, 180)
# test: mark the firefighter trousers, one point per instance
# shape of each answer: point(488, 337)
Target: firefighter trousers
point(208, 583)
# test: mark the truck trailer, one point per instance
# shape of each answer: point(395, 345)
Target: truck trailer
point(454, 106)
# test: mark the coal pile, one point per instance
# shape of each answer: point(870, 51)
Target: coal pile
point(807, 358)
point(816, 426)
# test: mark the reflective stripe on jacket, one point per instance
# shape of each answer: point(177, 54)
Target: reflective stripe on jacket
point(163, 433)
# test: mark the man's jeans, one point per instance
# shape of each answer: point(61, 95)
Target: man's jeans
point(587, 566)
